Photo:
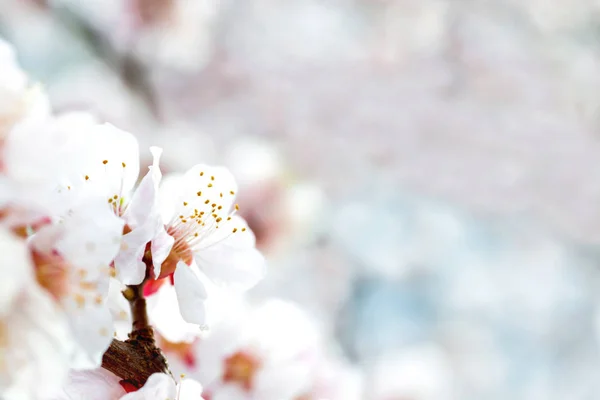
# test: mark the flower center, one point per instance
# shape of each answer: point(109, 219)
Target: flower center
point(183, 350)
point(51, 272)
point(241, 368)
point(181, 251)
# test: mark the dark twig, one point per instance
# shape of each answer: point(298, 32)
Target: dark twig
point(135, 359)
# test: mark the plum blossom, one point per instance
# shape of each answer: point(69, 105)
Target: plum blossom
point(35, 341)
point(107, 166)
point(266, 353)
point(199, 212)
point(72, 262)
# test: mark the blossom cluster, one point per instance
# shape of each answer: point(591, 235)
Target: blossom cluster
point(80, 226)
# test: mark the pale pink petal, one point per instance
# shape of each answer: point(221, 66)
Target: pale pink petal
point(191, 295)
point(157, 387)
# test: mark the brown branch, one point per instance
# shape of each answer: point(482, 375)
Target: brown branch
point(135, 359)
point(137, 303)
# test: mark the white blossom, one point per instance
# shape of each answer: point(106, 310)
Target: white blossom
point(266, 353)
point(35, 342)
point(199, 212)
point(72, 259)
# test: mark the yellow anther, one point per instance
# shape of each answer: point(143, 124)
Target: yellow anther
point(105, 162)
point(234, 230)
point(185, 203)
point(210, 185)
point(87, 177)
point(123, 164)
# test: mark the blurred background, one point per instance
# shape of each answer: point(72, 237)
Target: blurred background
point(423, 175)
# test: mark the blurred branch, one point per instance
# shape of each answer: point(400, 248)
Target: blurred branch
point(132, 72)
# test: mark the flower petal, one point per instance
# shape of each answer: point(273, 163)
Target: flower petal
point(92, 327)
point(131, 270)
point(96, 384)
point(112, 160)
point(190, 389)
point(232, 260)
point(143, 202)
point(204, 188)
point(36, 345)
point(90, 238)
point(158, 386)
point(190, 295)
point(162, 310)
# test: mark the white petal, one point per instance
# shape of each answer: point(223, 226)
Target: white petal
point(191, 295)
point(112, 161)
point(93, 328)
point(233, 261)
point(97, 384)
point(168, 195)
point(161, 247)
point(201, 187)
point(91, 238)
point(162, 311)
point(131, 270)
point(189, 389)
point(157, 387)
point(119, 309)
point(36, 345)
point(143, 202)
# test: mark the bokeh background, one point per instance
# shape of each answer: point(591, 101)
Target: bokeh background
point(423, 175)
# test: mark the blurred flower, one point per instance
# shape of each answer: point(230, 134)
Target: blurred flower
point(72, 262)
point(35, 343)
point(335, 380)
point(13, 89)
point(267, 352)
